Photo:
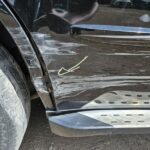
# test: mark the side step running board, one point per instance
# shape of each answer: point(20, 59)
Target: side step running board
point(101, 122)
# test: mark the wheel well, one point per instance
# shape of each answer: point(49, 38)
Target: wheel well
point(7, 41)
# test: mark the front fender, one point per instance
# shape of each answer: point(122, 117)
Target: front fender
point(28, 51)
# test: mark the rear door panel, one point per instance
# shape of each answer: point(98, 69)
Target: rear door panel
point(95, 65)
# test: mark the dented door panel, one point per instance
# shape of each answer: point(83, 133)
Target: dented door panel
point(96, 56)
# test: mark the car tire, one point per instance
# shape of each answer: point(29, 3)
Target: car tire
point(14, 102)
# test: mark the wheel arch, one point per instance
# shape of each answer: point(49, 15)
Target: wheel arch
point(8, 42)
point(16, 30)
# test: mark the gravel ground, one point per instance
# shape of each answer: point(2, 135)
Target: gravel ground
point(39, 137)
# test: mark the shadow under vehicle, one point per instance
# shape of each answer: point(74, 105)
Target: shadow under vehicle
point(86, 61)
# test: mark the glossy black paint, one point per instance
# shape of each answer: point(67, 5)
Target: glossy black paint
point(28, 51)
point(99, 62)
point(109, 35)
point(59, 15)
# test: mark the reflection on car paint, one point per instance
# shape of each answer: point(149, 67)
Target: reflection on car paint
point(32, 63)
point(120, 99)
point(115, 39)
point(146, 37)
point(71, 86)
point(125, 29)
point(145, 18)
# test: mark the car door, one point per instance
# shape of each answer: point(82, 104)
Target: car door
point(98, 60)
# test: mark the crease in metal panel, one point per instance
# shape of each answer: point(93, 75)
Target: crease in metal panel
point(71, 85)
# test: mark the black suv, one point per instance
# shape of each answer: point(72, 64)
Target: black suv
point(86, 61)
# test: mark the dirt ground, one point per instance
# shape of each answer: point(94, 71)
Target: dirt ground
point(39, 137)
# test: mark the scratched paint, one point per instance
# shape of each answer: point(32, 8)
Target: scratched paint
point(77, 83)
point(118, 53)
point(70, 85)
point(48, 46)
point(33, 64)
